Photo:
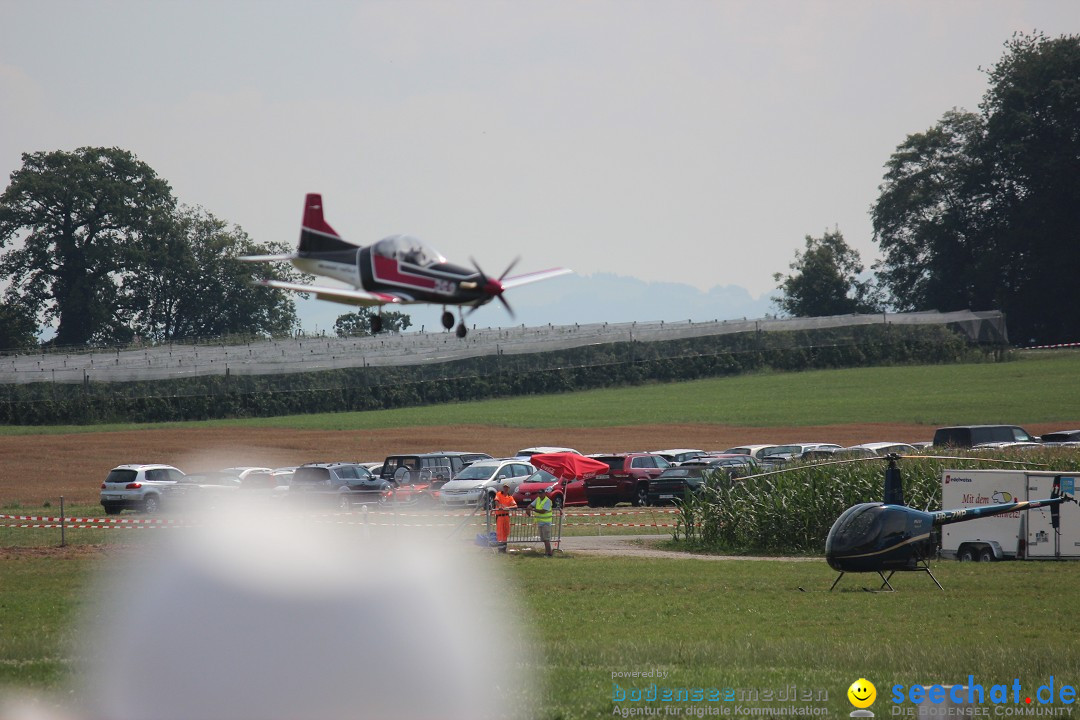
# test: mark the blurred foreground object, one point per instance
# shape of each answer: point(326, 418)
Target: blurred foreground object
point(280, 617)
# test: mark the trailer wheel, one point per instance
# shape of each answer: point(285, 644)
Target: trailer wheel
point(987, 555)
point(967, 554)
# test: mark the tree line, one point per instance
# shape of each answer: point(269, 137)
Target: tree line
point(980, 211)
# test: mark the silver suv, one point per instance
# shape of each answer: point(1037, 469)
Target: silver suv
point(137, 487)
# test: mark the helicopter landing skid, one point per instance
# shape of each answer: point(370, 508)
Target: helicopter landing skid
point(922, 566)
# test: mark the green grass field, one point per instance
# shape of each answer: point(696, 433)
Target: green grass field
point(1035, 387)
point(743, 625)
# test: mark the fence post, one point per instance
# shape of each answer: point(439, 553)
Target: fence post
point(63, 535)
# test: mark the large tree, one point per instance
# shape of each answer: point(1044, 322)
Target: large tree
point(932, 217)
point(983, 210)
point(99, 245)
point(17, 328)
point(189, 283)
point(77, 215)
point(825, 280)
point(358, 324)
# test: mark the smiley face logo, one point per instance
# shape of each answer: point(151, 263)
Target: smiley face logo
point(862, 693)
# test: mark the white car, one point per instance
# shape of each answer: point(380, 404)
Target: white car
point(885, 448)
point(529, 452)
point(137, 487)
point(677, 456)
point(243, 472)
point(755, 450)
point(476, 484)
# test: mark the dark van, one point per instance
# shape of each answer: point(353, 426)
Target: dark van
point(963, 436)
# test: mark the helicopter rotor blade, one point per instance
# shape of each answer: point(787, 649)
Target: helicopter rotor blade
point(887, 458)
point(973, 459)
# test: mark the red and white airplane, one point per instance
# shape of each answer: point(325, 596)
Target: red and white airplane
point(396, 270)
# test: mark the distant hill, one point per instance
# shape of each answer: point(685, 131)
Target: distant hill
point(603, 297)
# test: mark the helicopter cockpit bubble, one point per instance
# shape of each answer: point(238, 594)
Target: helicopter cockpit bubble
point(856, 528)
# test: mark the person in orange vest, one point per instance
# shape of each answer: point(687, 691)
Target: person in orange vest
point(503, 502)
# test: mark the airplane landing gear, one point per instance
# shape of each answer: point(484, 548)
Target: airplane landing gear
point(447, 319)
point(376, 324)
point(461, 330)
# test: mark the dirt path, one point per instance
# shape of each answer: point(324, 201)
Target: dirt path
point(642, 546)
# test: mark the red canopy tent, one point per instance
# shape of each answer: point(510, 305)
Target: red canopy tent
point(569, 466)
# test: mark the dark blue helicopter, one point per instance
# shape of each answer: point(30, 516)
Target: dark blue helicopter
point(890, 536)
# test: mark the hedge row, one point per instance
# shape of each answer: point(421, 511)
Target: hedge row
point(376, 388)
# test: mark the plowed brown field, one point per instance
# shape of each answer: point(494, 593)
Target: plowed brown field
point(36, 468)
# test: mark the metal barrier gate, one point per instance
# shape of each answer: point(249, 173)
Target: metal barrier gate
point(524, 529)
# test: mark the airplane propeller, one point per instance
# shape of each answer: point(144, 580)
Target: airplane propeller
point(494, 287)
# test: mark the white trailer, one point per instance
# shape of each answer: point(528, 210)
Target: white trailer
point(1024, 534)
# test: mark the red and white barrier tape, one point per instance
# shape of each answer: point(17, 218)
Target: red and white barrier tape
point(99, 520)
point(104, 523)
point(1053, 347)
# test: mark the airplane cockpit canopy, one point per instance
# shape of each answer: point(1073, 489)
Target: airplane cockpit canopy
point(406, 248)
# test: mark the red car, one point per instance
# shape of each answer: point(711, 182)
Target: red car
point(628, 480)
point(528, 490)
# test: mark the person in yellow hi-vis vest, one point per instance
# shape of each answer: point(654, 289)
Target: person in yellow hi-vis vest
point(541, 507)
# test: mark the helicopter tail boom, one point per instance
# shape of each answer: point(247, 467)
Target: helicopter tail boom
point(947, 517)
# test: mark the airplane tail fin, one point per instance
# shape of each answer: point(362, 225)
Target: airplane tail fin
point(316, 235)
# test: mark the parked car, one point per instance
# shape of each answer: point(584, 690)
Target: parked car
point(136, 487)
point(754, 450)
point(246, 470)
point(672, 484)
point(478, 483)
point(466, 457)
point(273, 484)
point(627, 481)
point(965, 436)
point(679, 455)
point(340, 484)
point(885, 448)
point(1061, 436)
point(734, 465)
point(530, 451)
point(1009, 446)
point(434, 468)
point(562, 493)
point(201, 490)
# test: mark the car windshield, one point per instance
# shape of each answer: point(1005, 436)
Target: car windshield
point(541, 476)
point(476, 472)
point(677, 472)
point(405, 248)
point(781, 450)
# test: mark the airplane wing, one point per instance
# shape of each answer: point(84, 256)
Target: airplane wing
point(518, 280)
point(266, 258)
point(341, 295)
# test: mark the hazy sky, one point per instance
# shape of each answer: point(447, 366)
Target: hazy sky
point(695, 142)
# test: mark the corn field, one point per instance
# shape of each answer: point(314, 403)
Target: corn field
point(791, 512)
